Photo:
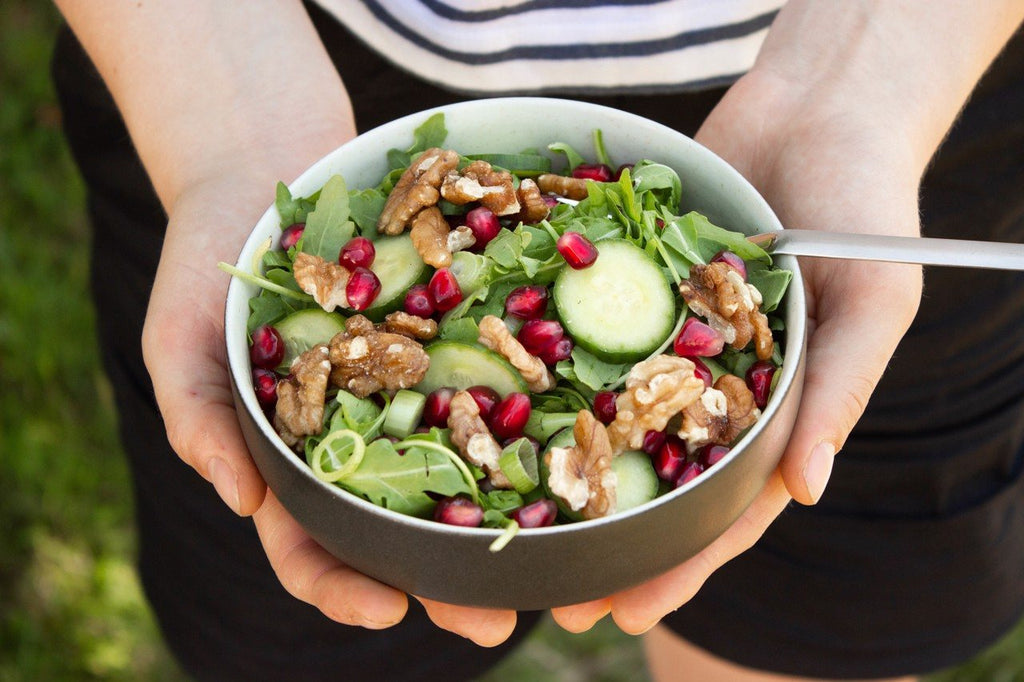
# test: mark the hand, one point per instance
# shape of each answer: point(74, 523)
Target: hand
point(821, 172)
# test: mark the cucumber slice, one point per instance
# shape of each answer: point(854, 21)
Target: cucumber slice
point(461, 365)
point(404, 413)
point(304, 329)
point(637, 482)
point(621, 308)
point(398, 266)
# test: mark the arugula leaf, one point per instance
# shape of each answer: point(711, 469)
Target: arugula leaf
point(430, 133)
point(358, 414)
point(400, 482)
point(594, 372)
point(506, 249)
point(292, 210)
point(572, 156)
point(464, 330)
point(328, 227)
point(711, 239)
point(365, 207)
point(771, 283)
point(659, 180)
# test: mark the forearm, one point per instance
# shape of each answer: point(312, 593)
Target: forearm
point(906, 67)
point(205, 85)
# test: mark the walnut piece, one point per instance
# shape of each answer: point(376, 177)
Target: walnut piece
point(582, 474)
point(474, 440)
point(413, 326)
point(300, 397)
point(496, 336)
point(481, 183)
point(657, 389)
point(365, 360)
point(323, 280)
point(461, 238)
point(563, 186)
point(417, 188)
point(718, 293)
point(534, 208)
point(429, 235)
point(721, 414)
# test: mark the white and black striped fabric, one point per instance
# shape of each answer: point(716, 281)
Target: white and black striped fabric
point(538, 46)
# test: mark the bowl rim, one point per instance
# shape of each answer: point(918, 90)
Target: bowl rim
point(304, 184)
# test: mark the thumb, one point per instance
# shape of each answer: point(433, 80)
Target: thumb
point(861, 315)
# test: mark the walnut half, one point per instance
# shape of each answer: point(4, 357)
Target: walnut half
point(720, 415)
point(582, 474)
point(365, 360)
point(718, 293)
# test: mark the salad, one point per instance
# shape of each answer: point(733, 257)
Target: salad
point(486, 341)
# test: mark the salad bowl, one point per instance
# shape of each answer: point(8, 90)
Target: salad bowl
point(538, 568)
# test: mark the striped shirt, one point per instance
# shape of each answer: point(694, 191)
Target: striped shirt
point(542, 46)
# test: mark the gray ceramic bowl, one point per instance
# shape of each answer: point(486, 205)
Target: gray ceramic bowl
point(544, 567)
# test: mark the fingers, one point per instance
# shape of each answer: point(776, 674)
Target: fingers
point(581, 617)
point(859, 320)
point(639, 609)
point(184, 360)
point(313, 575)
point(485, 627)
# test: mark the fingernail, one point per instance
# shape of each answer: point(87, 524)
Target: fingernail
point(225, 482)
point(818, 469)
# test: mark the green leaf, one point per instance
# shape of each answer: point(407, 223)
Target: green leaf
point(711, 239)
point(365, 207)
point(464, 330)
point(572, 156)
point(593, 372)
point(659, 180)
point(401, 482)
point(506, 249)
point(772, 283)
point(328, 227)
point(292, 210)
point(358, 414)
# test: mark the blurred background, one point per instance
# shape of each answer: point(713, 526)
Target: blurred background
point(70, 605)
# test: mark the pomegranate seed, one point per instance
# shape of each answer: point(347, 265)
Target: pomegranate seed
point(537, 336)
point(362, 289)
point(484, 225)
point(604, 406)
point(527, 302)
point(699, 339)
point(593, 171)
point(459, 511)
point(759, 381)
point(486, 398)
point(357, 253)
point(620, 169)
point(265, 383)
point(536, 514)
point(438, 407)
point(562, 350)
point(418, 301)
point(670, 459)
point(444, 290)
point(701, 371)
point(732, 259)
point(267, 348)
point(291, 235)
point(550, 200)
point(653, 440)
point(711, 454)
point(689, 472)
point(578, 251)
point(508, 418)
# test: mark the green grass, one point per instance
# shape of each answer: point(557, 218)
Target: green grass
point(70, 603)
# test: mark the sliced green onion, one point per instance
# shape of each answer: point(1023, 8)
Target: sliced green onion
point(518, 461)
point(257, 256)
point(511, 530)
point(404, 414)
point(350, 457)
point(263, 282)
